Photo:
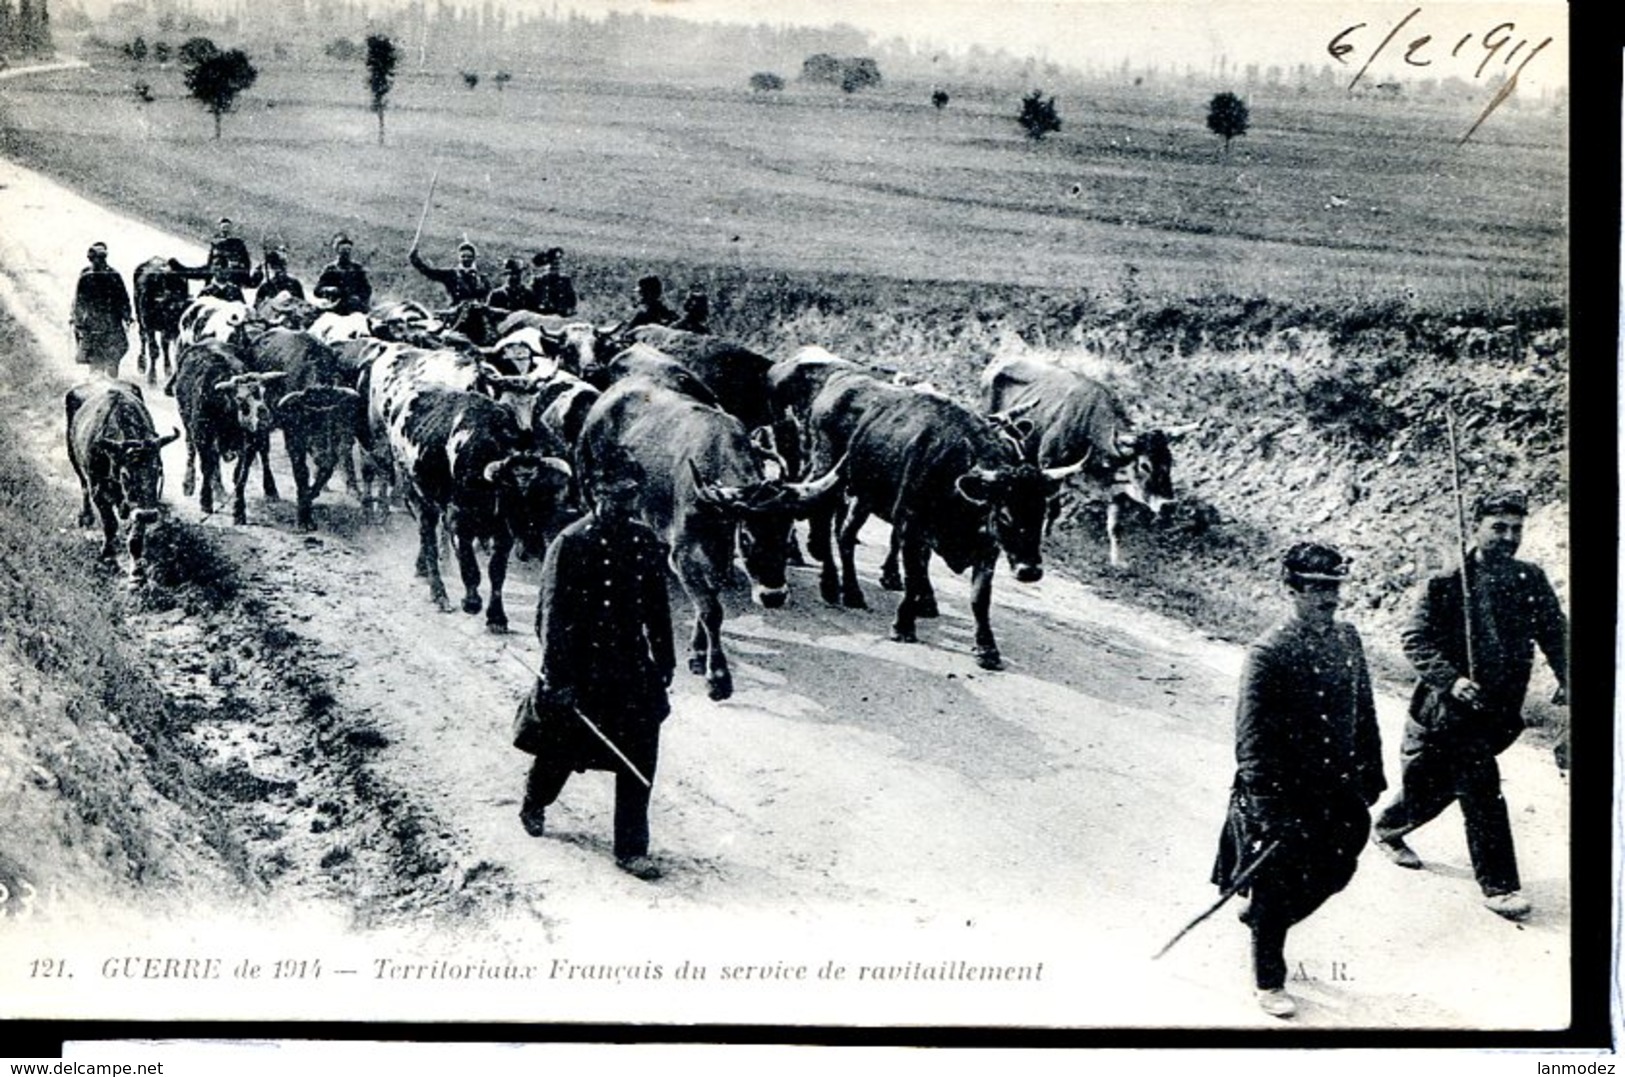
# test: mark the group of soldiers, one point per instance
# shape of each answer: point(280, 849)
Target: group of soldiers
point(1309, 756)
point(1308, 753)
point(102, 311)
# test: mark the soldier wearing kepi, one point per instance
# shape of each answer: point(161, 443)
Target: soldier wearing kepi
point(551, 292)
point(607, 659)
point(1465, 713)
point(1308, 767)
point(343, 282)
point(101, 314)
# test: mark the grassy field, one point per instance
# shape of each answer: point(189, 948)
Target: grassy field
point(1323, 202)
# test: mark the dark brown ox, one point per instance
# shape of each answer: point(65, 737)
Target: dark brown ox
point(1068, 417)
point(315, 408)
point(948, 482)
point(704, 482)
point(161, 295)
point(114, 449)
point(226, 415)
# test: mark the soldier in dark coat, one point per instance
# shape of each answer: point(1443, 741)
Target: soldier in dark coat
point(464, 282)
point(551, 292)
point(271, 279)
point(604, 620)
point(511, 294)
point(1308, 766)
point(343, 282)
point(652, 309)
point(1463, 714)
point(696, 311)
point(223, 286)
point(228, 255)
point(101, 314)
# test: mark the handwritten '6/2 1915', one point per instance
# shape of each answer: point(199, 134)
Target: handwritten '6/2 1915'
point(1423, 51)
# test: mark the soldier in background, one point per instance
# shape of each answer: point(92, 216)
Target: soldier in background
point(1308, 767)
point(464, 282)
point(652, 309)
point(101, 314)
point(343, 282)
point(551, 291)
point(696, 311)
point(511, 294)
point(1465, 714)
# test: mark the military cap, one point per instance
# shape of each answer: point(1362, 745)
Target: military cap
point(650, 285)
point(1308, 562)
point(513, 265)
point(341, 239)
point(1505, 502)
point(549, 257)
point(275, 258)
point(465, 245)
point(617, 471)
point(97, 250)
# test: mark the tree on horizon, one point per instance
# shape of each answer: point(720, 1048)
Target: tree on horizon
point(217, 79)
point(382, 56)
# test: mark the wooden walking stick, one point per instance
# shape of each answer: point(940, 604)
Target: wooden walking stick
point(424, 216)
point(1461, 540)
point(1229, 892)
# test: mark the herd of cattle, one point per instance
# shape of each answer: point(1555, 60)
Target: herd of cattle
point(490, 430)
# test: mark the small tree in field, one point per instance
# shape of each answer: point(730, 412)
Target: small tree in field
point(939, 98)
point(1227, 117)
point(218, 79)
point(194, 50)
point(1038, 116)
point(382, 56)
point(471, 79)
point(764, 81)
point(502, 78)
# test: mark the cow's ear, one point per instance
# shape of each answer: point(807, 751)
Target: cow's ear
point(496, 471)
point(975, 487)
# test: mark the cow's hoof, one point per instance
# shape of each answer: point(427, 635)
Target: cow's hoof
point(854, 601)
point(472, 604)
point(696, 665)
point(830, 594)
point(904, 637)
point(988, 658)
point(442, 603)
point(926, 607)
point(891, 581)
point(239, 517)
point(719, 687)
point(497, 628)
point(272, 495)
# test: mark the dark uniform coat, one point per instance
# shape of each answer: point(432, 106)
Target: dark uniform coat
point(462, 285)
point(1308, 759)
point(510, 299)
point(652, 312)
point(351, 283)
point(604, 620)
point(1514, 609)
point(101, 318)
point(268, 285)
point(553, 293)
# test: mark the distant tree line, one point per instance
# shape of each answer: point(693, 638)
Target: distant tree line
point(850, 73)
point(25, 28)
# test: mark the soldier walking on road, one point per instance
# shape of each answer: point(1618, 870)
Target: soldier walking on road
point(1465, 713)
point(101, 314)
point(605, 625)
point(1308, 767)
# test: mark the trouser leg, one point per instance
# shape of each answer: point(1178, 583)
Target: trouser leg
point(632, 813)
point(1269, 953)
point(1489, 831)
point(1426, 787)
point(544, 784)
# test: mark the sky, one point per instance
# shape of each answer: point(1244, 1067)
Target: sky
point(1076, 32)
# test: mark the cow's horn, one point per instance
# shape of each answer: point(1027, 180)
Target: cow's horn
point(229, 384)
point(160, 442)
point(1182, 429)
point(814, 489)
point(290, 400)
point(1009, 414)
point(1060, 474)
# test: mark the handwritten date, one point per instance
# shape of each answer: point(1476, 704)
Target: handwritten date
point(1500, 42)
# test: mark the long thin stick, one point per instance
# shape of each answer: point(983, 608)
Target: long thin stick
point(636, 773)
point(1230, 892)
point(424, 216)
point(1461, 540)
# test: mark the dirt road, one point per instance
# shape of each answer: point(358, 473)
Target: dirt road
point(859, 836)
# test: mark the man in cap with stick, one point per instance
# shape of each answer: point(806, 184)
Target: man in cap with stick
point(101, 314)
point(463, 282)
point(1308, 767)
point(604, 620)
point(343, 281)
point(1473, 660)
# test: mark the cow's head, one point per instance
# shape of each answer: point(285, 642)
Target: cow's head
point(136, 474)
point(580, 348)
point(1144, 468)
point(247, 395)
point(288, 311)
point(764, 511)
point(533, 497)
point(1017, 499)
